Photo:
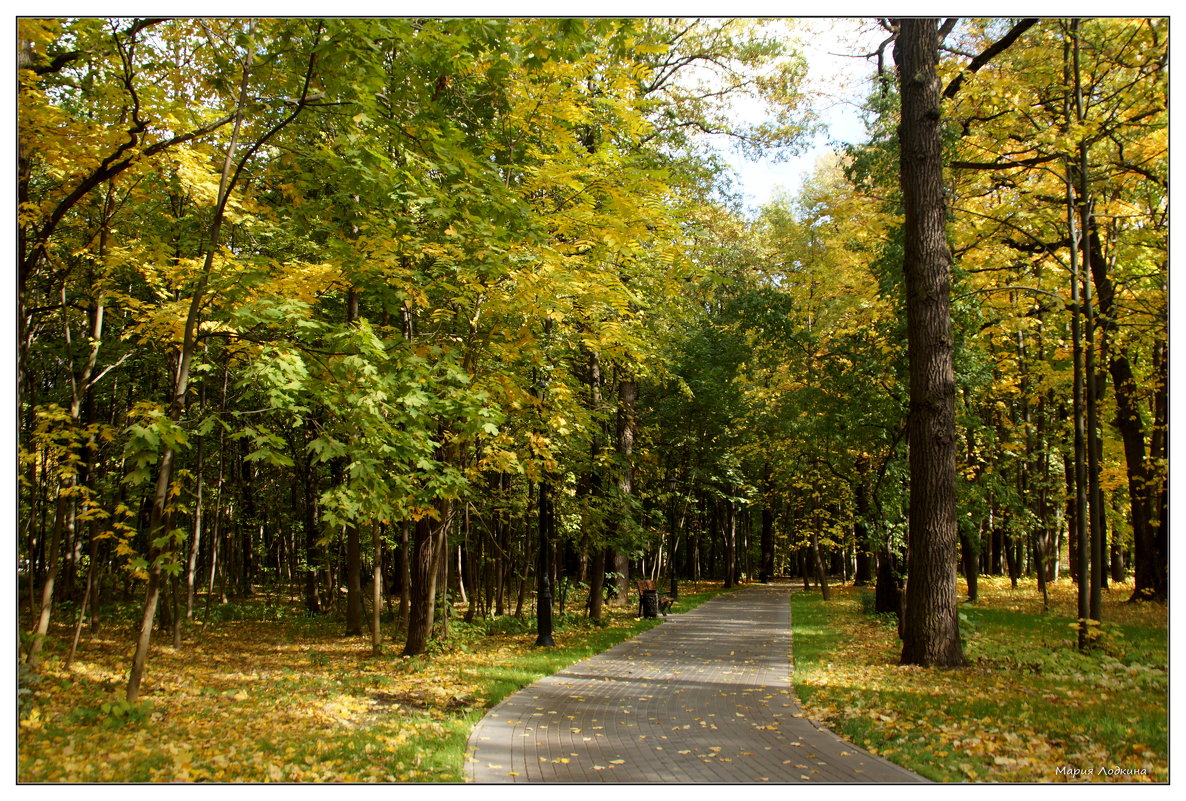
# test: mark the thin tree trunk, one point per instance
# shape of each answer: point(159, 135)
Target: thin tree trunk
point(864, 554)
point(766, 571)
point(353, 581)
point(442, 571)
point(504, 567)
point(817, 559)
point(405, 571)
point(543, 607)
point(729, 538)
point(1081, 531)
point(47, 586)
point(887, 595)
point(470, 566)
point(597, 557)
point(1092, 445)
point(64, 504)
point(627, 396)
point(175, 598)
point(311, 525)
point(1159, 458)
point(191, 567)
point(521, 597)
point(86, 601)
point(971, 560)
point(1143, 483)
point(377, 591)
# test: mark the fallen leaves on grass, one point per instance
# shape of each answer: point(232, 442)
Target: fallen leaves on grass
point(1027, 708)
point(281, 701)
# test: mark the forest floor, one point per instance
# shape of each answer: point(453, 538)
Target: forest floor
point(264, 693)
point(1028, 707)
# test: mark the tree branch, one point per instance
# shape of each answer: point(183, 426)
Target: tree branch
point(991, 52)
point(947, 27)
point(58, 63)
point(1001, 165)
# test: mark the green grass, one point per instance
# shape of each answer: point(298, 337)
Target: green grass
point(1028, 706)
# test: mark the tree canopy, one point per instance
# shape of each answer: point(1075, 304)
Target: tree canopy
point(474, 294)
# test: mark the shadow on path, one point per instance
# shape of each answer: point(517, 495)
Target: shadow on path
point(704, 698)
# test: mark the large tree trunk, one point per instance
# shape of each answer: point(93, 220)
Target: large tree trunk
point(618, 564)
point(596, 584)
point(931, 622)
point(423, 586)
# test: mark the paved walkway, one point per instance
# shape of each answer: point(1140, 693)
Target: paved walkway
point(703, 698)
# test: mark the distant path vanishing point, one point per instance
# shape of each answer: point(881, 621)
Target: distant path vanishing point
point(705, 697)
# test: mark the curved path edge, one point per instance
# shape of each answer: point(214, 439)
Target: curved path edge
point(704, 698)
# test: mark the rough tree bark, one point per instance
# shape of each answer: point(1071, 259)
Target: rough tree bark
point(930, 630)
point(422, 595)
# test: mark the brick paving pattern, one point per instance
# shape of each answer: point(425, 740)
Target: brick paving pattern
point(703, 698)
